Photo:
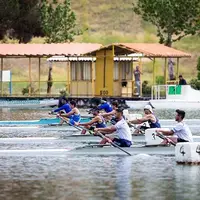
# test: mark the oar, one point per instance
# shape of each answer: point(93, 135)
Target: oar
point(113, 144)
point(66, 121)
point(160, 135)
point(140, 130)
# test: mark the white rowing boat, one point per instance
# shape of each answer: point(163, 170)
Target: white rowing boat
point(71, 138)
point(66, 128)
point(28, 103)
point(106, 150)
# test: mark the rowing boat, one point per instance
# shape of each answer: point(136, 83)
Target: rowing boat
point(43, 121)
point(88, 138)
point(93, 150)
point(28, 103)
point(48, 121)
point(63, 128)
point(105, 150)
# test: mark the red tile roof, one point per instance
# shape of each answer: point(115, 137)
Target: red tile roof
point(147, 49)
point(40, 50)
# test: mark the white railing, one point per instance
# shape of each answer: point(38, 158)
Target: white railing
point(160, 91)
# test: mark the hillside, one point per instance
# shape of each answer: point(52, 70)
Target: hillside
point(113, 21)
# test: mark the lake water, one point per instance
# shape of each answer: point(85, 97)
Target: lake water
point(74, 177)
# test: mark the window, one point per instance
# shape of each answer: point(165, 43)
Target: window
point(116, 71)
point(126, 70)
point(81, 71)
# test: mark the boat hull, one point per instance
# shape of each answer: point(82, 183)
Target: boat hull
point(43, 121)
point(71, 138)
point(91, 150)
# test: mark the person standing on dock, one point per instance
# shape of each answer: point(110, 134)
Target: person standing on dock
point(97, 122)
point(137, 73)
point(149, 117)
point(123, 132)
point(181, 130)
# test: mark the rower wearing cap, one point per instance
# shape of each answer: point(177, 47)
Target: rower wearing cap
point(98, 121)
point(124, 137)
point(73, 115)
point(181, 130)
point(149, 117)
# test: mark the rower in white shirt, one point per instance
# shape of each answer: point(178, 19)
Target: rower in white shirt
point(181, 130)
point(124, 137)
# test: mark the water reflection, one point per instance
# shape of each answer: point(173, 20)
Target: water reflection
point(123, 178)
point(187, 182)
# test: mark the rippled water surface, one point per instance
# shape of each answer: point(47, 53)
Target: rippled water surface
point(74, 177)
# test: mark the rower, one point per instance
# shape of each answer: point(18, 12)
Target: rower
point(181, 130)
point(72, 116)
point(105, 106)
point(122, 129)
point(111, 115)
point(65, 107)
point(97, 122)
point(149, 117)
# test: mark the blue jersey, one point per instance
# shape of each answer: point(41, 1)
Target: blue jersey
point(154, 124)
point(102, 124)
point(105, 106)
point(65, 107)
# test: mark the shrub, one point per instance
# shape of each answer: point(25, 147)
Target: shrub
point(198, 65)
point(146, 89)
point(160, 80)
point(195, 83)
point(26, 90)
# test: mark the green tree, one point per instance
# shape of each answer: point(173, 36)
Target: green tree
point(58, 21)
point(19, 19)
point(198, 68)
point(174, 19)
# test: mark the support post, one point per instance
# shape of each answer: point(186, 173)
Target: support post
point(165, 72)
point(93, 75)
point(29, 77)
point(1, 76)
point(154, 71)
point(177, 70)
point(39, 73)
point(140, 66)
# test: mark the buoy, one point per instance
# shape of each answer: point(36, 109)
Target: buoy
point(152, 139)
point(187, 153)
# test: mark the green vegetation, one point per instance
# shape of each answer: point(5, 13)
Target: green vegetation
point(58, 21)
point(174, 19)
point(19, 19)
point(104, 22)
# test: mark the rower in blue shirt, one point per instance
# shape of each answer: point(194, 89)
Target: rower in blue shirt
point(73, 116)
point(66, 107)
point(105, 106)
point(97, 122)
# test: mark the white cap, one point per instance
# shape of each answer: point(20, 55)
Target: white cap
point(148, 107)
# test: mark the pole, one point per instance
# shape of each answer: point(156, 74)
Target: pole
point(39, 74)
point(29, 77)
point(1, 76)
point(154, 71)
point(177, 71)
point(165, 71)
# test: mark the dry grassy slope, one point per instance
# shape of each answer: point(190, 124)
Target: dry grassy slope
point(107, 22)
point(107, 16)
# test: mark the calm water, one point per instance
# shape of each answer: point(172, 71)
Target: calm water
point(92, 177)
